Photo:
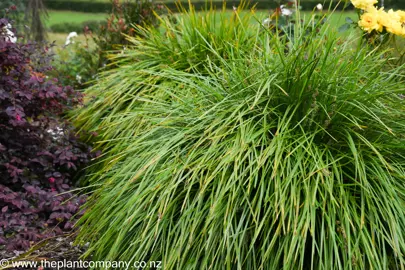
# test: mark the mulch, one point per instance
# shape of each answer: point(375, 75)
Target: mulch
point(57, 249)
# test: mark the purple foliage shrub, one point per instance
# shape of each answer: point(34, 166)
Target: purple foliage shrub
point(38, 153)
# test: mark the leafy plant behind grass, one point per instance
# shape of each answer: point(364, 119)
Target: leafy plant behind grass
point(81, 62)
point(249, 157)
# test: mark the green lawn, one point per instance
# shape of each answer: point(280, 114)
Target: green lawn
point(335, 20)
point(56, 17)
point(338, 18)
point(60, 38)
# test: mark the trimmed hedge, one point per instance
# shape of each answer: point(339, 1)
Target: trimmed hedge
point(97, 7)
point(75, 27)
point(81, 6)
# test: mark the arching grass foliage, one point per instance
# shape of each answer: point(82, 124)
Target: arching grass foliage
point(227, 146)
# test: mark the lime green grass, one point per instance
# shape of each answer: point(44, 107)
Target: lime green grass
point(56, 17)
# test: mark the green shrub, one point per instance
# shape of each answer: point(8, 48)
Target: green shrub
point(122, 23)
point(68, 27)
point(81, 6)
point(14, 11)
point(75, 64)
point(93, 25)
point(79, 63)
point(238, 149)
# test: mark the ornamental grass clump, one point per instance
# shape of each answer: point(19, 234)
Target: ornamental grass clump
point(181, 43)
point(260, 158)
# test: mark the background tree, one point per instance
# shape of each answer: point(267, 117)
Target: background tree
point(35, 12)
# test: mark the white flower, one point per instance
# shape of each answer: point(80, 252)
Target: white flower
point(56, 133)
point(9, 35)
point(79, 78)
point(285, 11)
point(124, 48)
point(319, 7)
point(234, 8)
point(266, 22)
point(69, 37)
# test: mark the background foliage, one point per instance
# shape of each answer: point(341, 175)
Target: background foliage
point(79, 63)
point(104, 6)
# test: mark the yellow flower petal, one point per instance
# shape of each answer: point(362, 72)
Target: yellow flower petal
point(364, 4)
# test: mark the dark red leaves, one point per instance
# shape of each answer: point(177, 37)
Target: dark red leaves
point(38, 151)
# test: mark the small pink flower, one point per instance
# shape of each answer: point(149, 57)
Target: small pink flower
point(18, 117)
point(51, 180)
point(53, 189)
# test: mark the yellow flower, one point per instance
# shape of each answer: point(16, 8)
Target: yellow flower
point(363, 4)
point(395, 16)
point(369, 22)
point(391, 20)
point(401, 15)
point(384, 18)
point(371, 9)
point(378, 19)
point(397, 29)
